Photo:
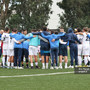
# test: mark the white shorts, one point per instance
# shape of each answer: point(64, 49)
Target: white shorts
point(5, 52)
point(39, 49)
point(86, 50)
point(33, 50)
point(11, 52)
point(80, 49)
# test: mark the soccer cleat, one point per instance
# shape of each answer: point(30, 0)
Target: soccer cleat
point(60, 67)
point(20, 67)
point(31, 67)
point(51, 67)
point(56, 67)
point(71, 66)
point(37, 67)
point(66, 67)
point(43, 67)
point(16, 67)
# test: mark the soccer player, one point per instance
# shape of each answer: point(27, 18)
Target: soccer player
point(25, 49)
point(45, 47)
point(5, 38)
point(54, 45)
point(18, 48)
point(73, 40)
point(11, 49)
point(80, 47)
point(63, 48)
point(33, 44)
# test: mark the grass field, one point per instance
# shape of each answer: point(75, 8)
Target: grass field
point(68, 81)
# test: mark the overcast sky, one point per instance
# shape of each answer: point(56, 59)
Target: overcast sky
point(54, 19)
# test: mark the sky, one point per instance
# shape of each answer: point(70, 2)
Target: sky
point(54, 19)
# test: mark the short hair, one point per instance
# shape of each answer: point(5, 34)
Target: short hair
point(61, 27)
point(14, 30)
point(79, 30)
point(56, 32)
point(85, 29)
point(25, 30)
point(44, 28)
point(6, 29)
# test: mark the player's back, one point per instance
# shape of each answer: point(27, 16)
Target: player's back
point(85, 40)
point(5, 39)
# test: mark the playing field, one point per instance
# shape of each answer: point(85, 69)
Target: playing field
point(38, 79)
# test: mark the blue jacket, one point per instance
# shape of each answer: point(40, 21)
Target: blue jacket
point(88, 35)
point(64, 38)
point(18, 37)
point(72, 38)
point(53, 36)
point(42, 43)
point(26, 45)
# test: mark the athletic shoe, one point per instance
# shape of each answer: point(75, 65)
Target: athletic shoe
point(16, 67)
point(37, 67)
point(20, 67)
point(56, 67)
point(31, 67)
point(51, 67)
point(66, 67)
point(76, 66)
point(71, 66)
point(46, 67)
point(60, 67)
point(43, 67)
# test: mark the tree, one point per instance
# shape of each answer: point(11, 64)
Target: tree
point(76, 13)
point(30, 14)
point(4, 12)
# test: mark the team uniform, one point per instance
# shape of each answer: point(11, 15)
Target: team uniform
point(5, 38)
point(33, 45)
point(80, 49)
point(85, 44)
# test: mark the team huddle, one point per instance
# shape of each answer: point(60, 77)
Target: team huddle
point(19, 46)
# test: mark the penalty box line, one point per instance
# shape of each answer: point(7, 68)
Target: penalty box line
point(57, 73)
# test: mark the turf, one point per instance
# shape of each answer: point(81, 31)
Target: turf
point(53, 82)
point(49, 82)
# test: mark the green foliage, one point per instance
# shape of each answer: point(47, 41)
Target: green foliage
point(76, 13)
point(30, 14)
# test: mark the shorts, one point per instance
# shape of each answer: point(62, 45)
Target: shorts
point(63, 50)
point(80, 49)
point(85, 50)
point(11, 52)
point(45, 53)
point(5, 52)
point(33, 50)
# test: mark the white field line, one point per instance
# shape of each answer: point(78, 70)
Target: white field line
point(57, 73)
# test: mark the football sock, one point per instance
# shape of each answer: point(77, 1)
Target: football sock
point(79, 60)
point(85, 60)
point(60, 64)
point(31, 64)
point(3, 61)
point(36, 63)
point(46, 65)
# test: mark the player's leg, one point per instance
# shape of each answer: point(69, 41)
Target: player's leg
point(15, 57)
point(35, 54)
point(3, 58)
point(19, 56)
point(52, 58)
point(71, 56)
point(56, 57)
point(79, 55)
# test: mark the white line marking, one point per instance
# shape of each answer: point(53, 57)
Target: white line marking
point(57, 73)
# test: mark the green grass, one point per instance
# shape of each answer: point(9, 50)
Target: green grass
point(49, 82)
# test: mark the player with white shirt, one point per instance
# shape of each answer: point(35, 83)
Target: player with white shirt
point(11, 49)
point(4, 38)
point(85, 45)
point(80, 47)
